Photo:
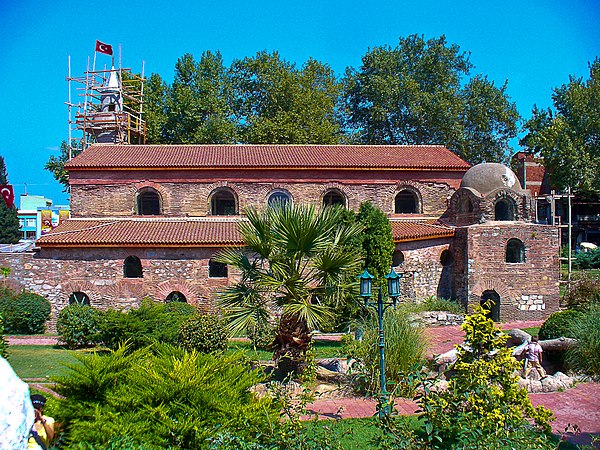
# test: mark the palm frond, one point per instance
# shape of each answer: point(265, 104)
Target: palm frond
point(313, 314)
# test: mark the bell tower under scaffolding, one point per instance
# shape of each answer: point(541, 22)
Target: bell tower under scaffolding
point(108, 107)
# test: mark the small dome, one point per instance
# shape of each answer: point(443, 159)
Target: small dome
point(487, 177)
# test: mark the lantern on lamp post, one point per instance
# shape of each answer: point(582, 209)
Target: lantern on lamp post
point(393, 292)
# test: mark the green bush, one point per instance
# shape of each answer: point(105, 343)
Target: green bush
point(261, 335)
point(151, 322)
point(583, 293)
point(79, 326)
point(559, 324)
point(205, 333)
point(162, 397)
point(434, 303)
point(405, 347)
point(24, 313)
point(585, 357)
point(587, 260)
point(3, 343)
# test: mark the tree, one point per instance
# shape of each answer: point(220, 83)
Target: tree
point(294, 264)
point(378, 242)
point(568, 137)
point(419, 93)
point(56, 165)
point(276, 103)
point(10, 232)
point(199, 102)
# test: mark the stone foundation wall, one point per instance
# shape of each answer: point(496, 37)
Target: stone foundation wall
point(423, 274)
point(56, 274)
point(527, 290)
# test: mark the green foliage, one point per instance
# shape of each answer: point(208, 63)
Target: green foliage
point(3, 342)
point(433, 303)
point(558, 324)
point(205, 333)
point(585, 357)
point(587, 260)
point(140, 327)
point(482, 392)
point(56, 164)
point(405, 347)
point(164, 398)
point(583, 293)
point(24, 313)
point(79, 326)
point(418, 93)
point(567, 137)
point(378, 242)
point(277, 103)
point(261, 334)
point(9, 222)
point(296, 260)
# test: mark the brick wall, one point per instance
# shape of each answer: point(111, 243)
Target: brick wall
point(528, 290)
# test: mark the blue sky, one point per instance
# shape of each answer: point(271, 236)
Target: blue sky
point(534, 45)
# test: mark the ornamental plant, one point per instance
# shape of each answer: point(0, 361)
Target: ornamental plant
point(205, 333)
point(79, 326)
point(25, 313)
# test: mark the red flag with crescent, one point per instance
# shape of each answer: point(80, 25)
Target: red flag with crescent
point(101, 47)
point(8, 194)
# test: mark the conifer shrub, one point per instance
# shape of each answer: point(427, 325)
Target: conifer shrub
point(151, 322)
point(24, 313)
point(558, 324)
point(205, 333)
point(79, 326)
point(583, 293)
point(162, 397)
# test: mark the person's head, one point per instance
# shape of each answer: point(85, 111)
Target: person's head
point(38, 401)
point(535, 339)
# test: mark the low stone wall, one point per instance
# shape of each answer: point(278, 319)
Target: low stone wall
point(438, 318)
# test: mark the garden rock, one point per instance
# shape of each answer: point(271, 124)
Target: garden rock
point(437, 318)
point(551, 383)
point(339, 365)
point(330, 376)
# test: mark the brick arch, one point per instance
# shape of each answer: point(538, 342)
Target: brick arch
point(126, 288)
point(192, 294)
point(333, 186)
point(80, 286)
point(490, 285)
point(266, 193)
point(214, 187)
point(164, 195)
point(410, 187)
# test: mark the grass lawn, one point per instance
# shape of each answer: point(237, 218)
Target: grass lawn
point(39, 361)
point(324, 349)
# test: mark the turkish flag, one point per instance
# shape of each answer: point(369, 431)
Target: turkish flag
point(103, 48)
point(8, 194)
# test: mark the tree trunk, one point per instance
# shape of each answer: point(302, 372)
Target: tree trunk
point(561, 343)
point(292, 340)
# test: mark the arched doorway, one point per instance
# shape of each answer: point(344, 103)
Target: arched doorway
point(176, 296)
point(490, 300)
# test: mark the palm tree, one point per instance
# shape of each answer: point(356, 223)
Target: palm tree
point(297, 265)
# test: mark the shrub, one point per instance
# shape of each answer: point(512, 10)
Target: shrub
point(434, 303)
point(405, 347)
point(79, 326)
point(261, 335)
point(162, 397)
point(583, 293)
point(587, 260)
point(151, 322)
point(205, 333)
point(559, 324)
point(483, 407)
point(585, 357)
point(3, 343)
point(25, 313)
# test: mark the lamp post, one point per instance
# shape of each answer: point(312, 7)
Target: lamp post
point(366, 281)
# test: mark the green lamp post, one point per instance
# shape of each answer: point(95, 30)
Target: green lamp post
point(366, 281)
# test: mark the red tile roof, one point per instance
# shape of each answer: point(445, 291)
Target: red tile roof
point(418, 231)
point(399, 157)
point(175, 232)
point(147, 232)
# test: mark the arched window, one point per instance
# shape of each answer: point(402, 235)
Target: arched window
point(465, 205)
point(148, 202)
point(490, 300)
point(397, 258)
point(504, 209)
point(217, 269)
point(446, 258)
point(222, 203)
point(79, 298)
point(132, 267)
point(406, 202)
point(279, 198)
point(176, 296)
point(334, 197)
point(515, 251)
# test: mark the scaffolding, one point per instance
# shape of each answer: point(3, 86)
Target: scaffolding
point(108, 107)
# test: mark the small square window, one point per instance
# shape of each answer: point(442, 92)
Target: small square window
point(217, 269)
